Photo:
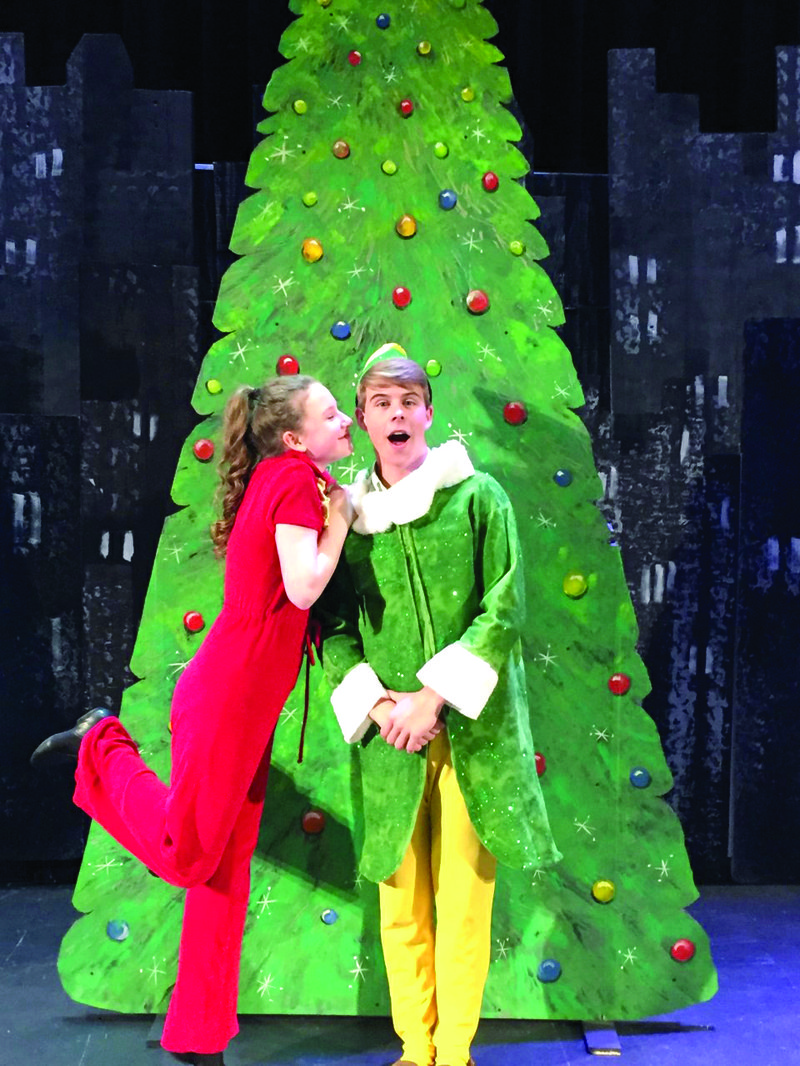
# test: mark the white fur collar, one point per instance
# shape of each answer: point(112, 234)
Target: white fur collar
point(410, 498)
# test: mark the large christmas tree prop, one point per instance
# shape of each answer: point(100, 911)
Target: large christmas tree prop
point(388, 208)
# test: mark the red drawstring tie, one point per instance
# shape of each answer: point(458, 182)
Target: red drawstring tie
point(313, 639)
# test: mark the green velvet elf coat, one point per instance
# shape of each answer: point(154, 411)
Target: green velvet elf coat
point(430, 591)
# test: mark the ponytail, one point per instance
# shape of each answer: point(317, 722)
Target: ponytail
point(253, 426)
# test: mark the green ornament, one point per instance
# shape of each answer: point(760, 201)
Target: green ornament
point(300, 107)
point(388, 166)
point(516, 247)
point(467, 94)
point(575, 585)
point(309, 198)
point(440, 150)
point(433, 368)
point(214, 386)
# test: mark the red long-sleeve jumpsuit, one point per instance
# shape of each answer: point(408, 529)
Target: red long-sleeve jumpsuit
point(201, 831)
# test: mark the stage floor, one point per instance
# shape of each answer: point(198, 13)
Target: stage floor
point(755, 935)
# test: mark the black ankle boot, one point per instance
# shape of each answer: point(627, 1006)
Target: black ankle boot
point(63, 747)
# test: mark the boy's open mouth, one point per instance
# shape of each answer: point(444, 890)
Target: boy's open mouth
point(398, 437)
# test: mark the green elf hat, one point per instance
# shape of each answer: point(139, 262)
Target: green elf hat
point(386, 351)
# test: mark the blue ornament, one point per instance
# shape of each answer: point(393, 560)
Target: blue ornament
point(329, 917)
point(382, 21)
point(640, 777)
point(340, 330)
point(447, 199)
point(549, 970)
point(117, 930)
point(562, 478)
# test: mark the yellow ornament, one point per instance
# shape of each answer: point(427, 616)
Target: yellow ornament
point(467, 94)
point(214, 386)
point(312, 250)
point(575, 585)
point(604, 891)
point(406, 226)
point(424, 48)
point(324, 3)
point(300, 107)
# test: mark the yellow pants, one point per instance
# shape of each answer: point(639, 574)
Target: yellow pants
point(437, 968)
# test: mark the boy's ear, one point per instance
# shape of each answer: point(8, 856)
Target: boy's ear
point(429, 420)
point(360, 419)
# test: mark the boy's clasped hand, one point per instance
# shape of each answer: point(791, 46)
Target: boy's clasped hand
point(409, 720)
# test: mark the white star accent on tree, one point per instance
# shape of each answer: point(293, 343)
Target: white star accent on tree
point(456, 434)
point(107, 865)
point(547, 523)
point(359, 970)
point(302, 42)
point(350, 205)
point(538, 874)
point(546, 309)
point(584, 827)
point(264, 210)
point(265, 986)
point(239, 352)
point(335, 101)
point(484, 350)
point(560, 391)
point(155, 971)
point(343, 21)
point(629, 956)
point(356, 272)
point(283, 153)
point(502, 949)
point(266, 902)
point(283, 285)
point(349, 471)
point(600, 734)
point(472, 242)
point(545, 657)
point(179, 666)
point(359, 881)
point(662, 870)
point(390, 76)
point(175, 551)
point(477, 133)
point(288, 713)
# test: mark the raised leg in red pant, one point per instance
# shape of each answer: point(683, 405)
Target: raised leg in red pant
point(199, 834)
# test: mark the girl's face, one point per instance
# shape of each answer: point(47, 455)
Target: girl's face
point(325, 431)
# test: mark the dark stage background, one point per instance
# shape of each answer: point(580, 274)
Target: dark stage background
point(674, 227)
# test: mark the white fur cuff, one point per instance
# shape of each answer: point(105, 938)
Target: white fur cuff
point(461, 678)
point(354, 698)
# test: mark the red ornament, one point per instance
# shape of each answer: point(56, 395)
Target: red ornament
point(515, 413)
point(341, 149)
point(619, 684)
point(287, 364)
point(477, 301)
point(354, 58)
point(541, 763)
point(490, 181)
point(313, 822)
point(682, 950)
point(406, 107)
point(203, 449)
point(401, 297)
point(194, 621)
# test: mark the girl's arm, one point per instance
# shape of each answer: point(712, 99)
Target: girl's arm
point(308, 558)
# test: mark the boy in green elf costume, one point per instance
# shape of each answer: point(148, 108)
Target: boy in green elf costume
point(422, 645)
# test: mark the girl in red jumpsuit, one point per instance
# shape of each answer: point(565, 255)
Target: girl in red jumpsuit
point(282, 528)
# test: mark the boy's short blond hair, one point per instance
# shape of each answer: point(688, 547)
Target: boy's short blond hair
point(394, 371)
